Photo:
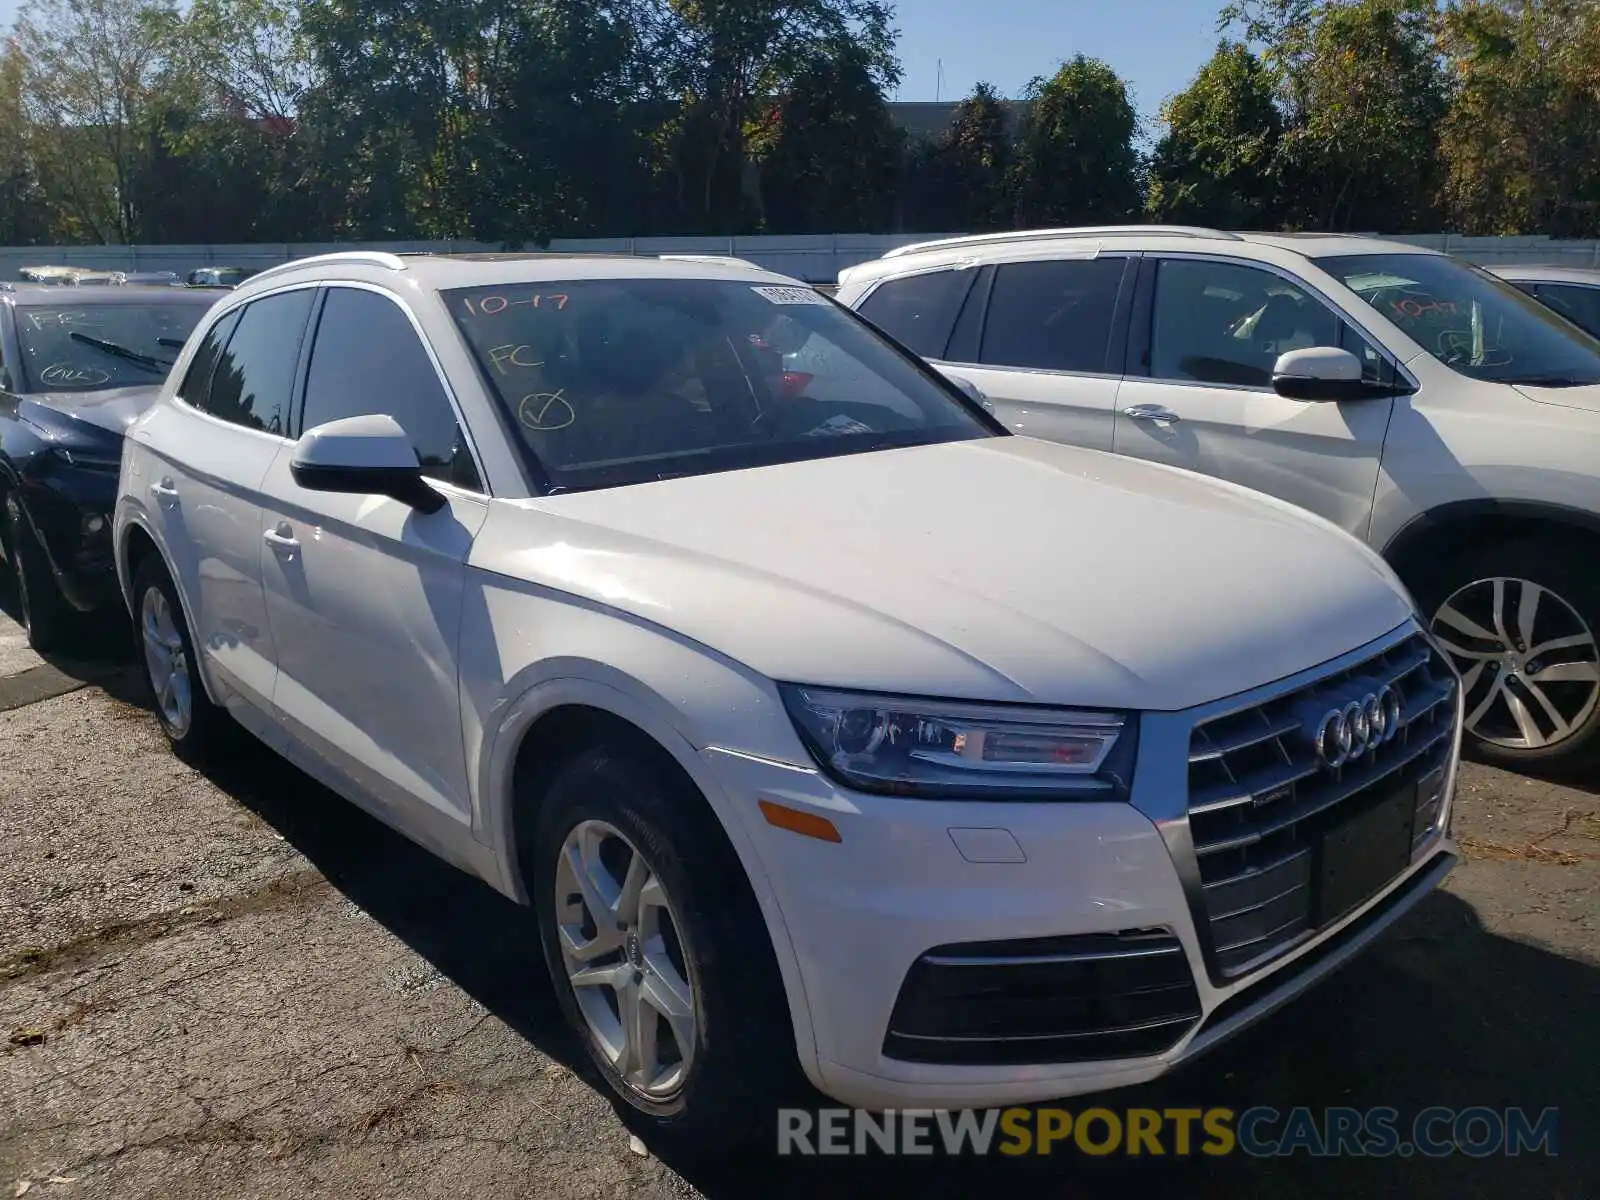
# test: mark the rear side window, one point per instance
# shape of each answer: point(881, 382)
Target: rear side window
point(1052, 315)
point(255, 373)
point(919, 310)
point(196, 386)
point(368, 359)
point(1580, 305)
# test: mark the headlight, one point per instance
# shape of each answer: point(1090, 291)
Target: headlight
point(937, 748)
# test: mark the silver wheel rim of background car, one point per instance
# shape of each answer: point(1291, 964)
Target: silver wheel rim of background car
point(1529, 663)
point(625, 958)
point(165, 660)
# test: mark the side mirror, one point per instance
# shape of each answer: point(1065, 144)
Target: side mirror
point(1320, 373)
point(367, 455)
point(972, 392)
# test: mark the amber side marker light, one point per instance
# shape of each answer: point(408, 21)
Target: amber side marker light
point(804, 823)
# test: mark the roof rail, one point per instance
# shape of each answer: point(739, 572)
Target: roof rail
point(368, 258)
point(726, 259)
point(1086, 231)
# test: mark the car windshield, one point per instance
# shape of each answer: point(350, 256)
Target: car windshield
point(1471, 321)
point(84, 347)
point(619, 381)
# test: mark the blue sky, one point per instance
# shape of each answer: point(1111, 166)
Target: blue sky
point(1156, 45)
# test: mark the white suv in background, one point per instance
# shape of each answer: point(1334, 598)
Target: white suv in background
point(1431, 410)
point(831, 727)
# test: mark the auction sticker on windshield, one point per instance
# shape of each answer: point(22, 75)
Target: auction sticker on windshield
point(790, 295)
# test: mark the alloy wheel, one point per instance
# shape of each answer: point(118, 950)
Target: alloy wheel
point(1530, 666)
point(166, 661)
point(622, 945)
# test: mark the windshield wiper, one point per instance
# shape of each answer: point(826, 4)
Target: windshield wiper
point(174, 343)
point(147, 361)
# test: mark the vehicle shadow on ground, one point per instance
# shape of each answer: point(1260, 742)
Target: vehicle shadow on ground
point(1440, 1012)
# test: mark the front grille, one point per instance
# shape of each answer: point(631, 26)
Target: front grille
point(1261, 799)
point(1045, 1000)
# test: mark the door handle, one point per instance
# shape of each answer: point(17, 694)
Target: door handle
point(280, 538)
point(164, 490)
point(1158, 413)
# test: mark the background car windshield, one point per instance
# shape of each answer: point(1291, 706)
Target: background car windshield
point(119, 345)
point(1471, 321)
point(618, 381)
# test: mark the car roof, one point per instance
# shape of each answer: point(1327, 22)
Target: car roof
point(443, 271)
point(1087, 241)
point(1546, 273)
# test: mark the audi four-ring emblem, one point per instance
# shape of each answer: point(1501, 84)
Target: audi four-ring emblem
point(1361, 725)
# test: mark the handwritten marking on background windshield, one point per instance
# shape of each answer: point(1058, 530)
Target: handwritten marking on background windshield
point(545, 412)
point(491, 306)
point(69, 375)
point(60, 320)
point(509, 353)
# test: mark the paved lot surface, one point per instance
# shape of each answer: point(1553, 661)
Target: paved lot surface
point(237, 985)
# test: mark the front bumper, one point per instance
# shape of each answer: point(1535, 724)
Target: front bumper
point(71, 514)
point(913, 876)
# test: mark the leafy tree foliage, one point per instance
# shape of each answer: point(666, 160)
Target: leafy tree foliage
point(1074, 161)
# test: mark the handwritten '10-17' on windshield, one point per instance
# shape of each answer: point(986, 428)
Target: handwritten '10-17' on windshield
point(490, 306)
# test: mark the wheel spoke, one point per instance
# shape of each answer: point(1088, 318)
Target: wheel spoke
point(667, 993)
point(592, 878)
point(1570, 642)
point(606, 940)
point(1458, 620)
point(1562, 728)
point(1524, 719)
point(1527, 611)
point(1500, 612)
point(639, 1061)
point(633, 885)
point(1470, 679)
point(1567, 672)
point(1455, 651)
point(613, 976)
point(1484, 705)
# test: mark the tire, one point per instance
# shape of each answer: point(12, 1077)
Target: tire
point(46, 616)
point(1520, 620)
point(193, 725)
point(619, 802)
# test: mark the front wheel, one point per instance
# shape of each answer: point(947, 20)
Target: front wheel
point(1519, 621)
point(46, 617)
point(660, 958)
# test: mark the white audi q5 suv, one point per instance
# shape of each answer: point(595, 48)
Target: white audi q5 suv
point(827, 727)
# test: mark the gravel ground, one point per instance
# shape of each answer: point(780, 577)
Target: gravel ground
point(237, 985)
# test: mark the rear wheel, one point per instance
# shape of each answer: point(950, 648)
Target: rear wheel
point(659, 954)
point(1520, 621)
point(46, 616)
point(193, 725)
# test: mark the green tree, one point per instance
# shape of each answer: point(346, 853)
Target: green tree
point(91, 84)
point(1361, 151)
point(24, 218)
point(1075, 161)
point(727, 59)
point(835, 156)
point(1216, 163)
point(1521, 139)
point(961, 179)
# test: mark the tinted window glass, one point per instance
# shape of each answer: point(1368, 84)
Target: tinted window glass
point(255, 373)
point(368, 359)
point(620, 381)
point(919, 310)
point(1580, 305)
point(85, 346)
point(196, 385)
point(1471, 321)
point(1220, 323)
point(1055, 316)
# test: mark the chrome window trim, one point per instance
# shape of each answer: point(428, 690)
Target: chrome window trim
point(1339, 311)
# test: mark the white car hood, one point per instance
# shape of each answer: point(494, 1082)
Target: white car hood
point(1002, 569)
point(1586, 397)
